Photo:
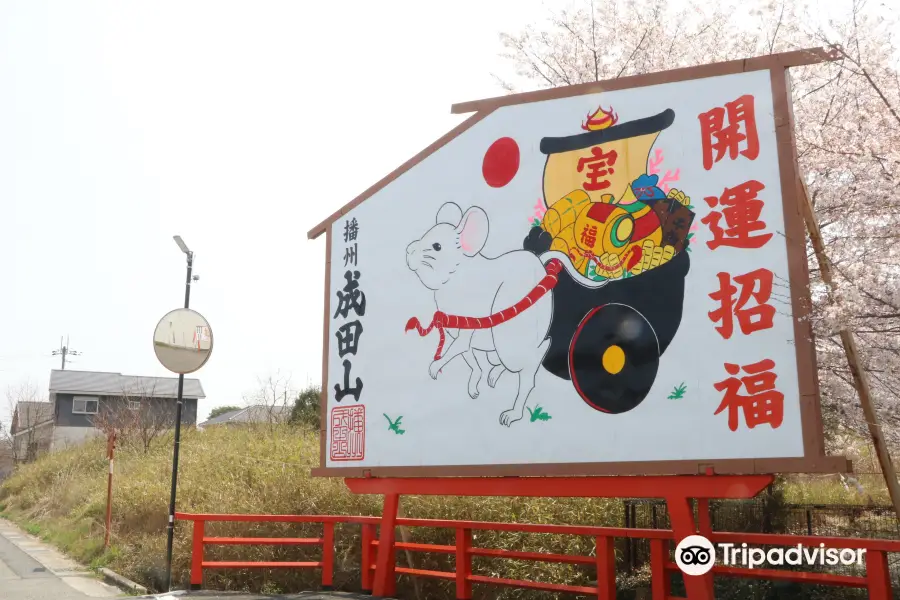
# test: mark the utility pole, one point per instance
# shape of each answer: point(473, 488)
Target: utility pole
point(170, 529)
point(64, 351)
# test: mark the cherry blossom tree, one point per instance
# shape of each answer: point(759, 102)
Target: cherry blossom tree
point(847, 120)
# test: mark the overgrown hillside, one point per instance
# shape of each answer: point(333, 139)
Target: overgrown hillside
point(263, 470)
point(266, 470)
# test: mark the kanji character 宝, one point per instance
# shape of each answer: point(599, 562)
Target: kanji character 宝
point(589, 235)
point(762, 403)
point(741, 209)
point(721, 138)
point(350, 255)
point(351, 229)
point(599, 165)
point(348, 337)
point(756, 285)
point(348, 391)
point(351, 296)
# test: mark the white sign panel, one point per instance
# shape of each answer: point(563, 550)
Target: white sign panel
point(593, 280)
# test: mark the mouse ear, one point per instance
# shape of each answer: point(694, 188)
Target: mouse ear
point(473, 231)
point(449, 213)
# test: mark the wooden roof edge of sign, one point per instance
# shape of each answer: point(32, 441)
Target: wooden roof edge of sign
point(794, 58)
point(482, 108)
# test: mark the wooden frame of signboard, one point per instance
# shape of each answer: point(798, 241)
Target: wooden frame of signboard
point(814, 458)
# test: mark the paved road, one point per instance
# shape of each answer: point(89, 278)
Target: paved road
point(24, 577)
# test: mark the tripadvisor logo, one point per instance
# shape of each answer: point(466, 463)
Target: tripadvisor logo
point(696, 555)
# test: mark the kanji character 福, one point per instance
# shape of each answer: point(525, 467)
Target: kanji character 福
point(348, 391)
point(762, 403)
point(755, 284)
point(729, 137)
point(599, 164)
point(351, 296)
point(351, 229)
point(350, 255)
point(348, 337)
point(589, 236)
point(741, 209)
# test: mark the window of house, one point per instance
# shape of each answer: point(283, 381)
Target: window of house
point(134, 404)
point(84, 405)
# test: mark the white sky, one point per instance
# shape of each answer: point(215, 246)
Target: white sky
point(237, 125)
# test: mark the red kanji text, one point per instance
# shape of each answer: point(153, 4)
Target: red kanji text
point(599, 165)
point(719, 138)
point(589, 236)
point(741, 209)
point(755, 285)
point(761, 404)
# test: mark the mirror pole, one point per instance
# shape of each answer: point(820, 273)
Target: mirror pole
point(170, 528)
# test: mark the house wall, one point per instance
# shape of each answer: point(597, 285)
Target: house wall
point(40, 438)
point(64, 437)
point(65, 418)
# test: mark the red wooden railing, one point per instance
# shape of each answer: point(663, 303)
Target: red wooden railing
point(876, 580)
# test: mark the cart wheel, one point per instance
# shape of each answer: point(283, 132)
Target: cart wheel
point(613, 358)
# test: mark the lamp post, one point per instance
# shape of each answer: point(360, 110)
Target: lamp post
point(170, 528)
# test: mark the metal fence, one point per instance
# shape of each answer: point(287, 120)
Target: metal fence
point(765, 515)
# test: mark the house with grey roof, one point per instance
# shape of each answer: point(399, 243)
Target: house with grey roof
point(256, 414)
point(81, 398)
point(30, 430)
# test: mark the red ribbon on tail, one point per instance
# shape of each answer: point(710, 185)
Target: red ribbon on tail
point(441, 320)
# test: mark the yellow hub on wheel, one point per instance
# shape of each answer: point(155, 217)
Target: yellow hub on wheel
point(613, 359)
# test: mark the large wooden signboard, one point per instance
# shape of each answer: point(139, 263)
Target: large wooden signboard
point(605, 279)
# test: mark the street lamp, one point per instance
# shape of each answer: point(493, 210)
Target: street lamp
point(170, 528)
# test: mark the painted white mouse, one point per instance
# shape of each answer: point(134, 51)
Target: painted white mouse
point(448, 260)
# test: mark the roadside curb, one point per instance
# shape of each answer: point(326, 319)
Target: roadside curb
point(122, 582)
point(161, 596)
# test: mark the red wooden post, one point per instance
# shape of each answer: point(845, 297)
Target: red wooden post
point(368, 536)
point(110, 450)
point(384, 560)
point(878, 577)
point(698, 587)
point(463, 564)
point(660, 582)
point(197, 555)
point(328, 556)
point(606, 568)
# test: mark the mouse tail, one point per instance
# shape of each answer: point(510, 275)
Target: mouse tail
point(569, 268)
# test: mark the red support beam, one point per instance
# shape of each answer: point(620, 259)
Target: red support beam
point(681, 514)
point(704, 518)
point(368, 536)
point(385, 579)
point(684, 486)
point(606, 568)
point(328, 556)
point(197, 555)
point(463, 564)
point(878, 576)
point(660, 580)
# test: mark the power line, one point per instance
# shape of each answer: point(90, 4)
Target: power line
point(65, 351)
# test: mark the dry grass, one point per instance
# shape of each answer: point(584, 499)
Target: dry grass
point(62, 497)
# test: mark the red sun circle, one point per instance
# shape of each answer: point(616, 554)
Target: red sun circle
point(501, 162)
